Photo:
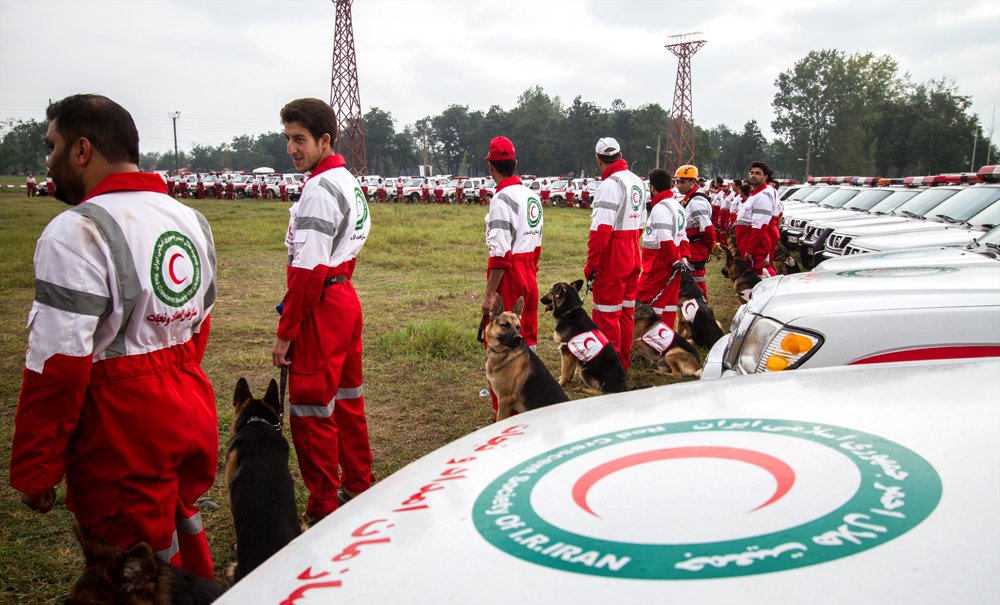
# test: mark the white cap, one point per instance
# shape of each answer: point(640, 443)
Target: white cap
point(608, 146)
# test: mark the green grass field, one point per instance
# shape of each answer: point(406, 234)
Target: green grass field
point(421, 280)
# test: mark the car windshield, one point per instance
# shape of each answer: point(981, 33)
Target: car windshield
point(558, 185)
point(988, 217)
point(415, 183)
point(838, 199)
point(921, 204)
point(800, 194)
point(961, 206)
point(819, 194)
point(243, 179)
point(866, 200)
point(455, 183)
point(895, 199)
point(991, 238)
point(490, 184)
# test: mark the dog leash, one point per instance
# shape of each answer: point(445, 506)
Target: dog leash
point(665, 286)
point(590, 286)
point(480, 336)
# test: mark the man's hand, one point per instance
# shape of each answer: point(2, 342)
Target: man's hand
point(41, 503)
point(279, 353)
point(683, 266)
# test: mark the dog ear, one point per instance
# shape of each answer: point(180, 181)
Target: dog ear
point(497, 306)
point(242, 392)
point(578, 284)
point(519, 306)
point(271, 396)
point(95, 550)
point(136, 568)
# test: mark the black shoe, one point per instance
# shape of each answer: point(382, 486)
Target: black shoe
point(343, 497)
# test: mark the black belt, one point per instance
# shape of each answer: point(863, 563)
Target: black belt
point(332, 281)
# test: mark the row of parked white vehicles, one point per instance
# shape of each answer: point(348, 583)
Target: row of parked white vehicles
point(558, 191)
point(269, 185)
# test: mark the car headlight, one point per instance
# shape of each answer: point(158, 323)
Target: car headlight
point(771, 347)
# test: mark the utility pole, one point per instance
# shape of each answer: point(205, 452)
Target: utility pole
point(345, 97)
point(681, 135)
point(975, 140)
point(173, 116)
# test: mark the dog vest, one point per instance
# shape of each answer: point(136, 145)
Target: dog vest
point(689, 309)
point(586, 346)
point(659, 337)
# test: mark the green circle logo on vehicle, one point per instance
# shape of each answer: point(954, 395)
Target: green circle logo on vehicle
point(534, 212)
point(175, 272)
point(636, 197)
point(361, 208)
point(707, 499)
point(898, 272)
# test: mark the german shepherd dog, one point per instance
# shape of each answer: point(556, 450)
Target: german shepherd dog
point(738, 270)
point(654, 341)
point(133, 576)
point(261, 490)
point(517, 376)
point(695, 318)
point(784, 263)
point(603, 371)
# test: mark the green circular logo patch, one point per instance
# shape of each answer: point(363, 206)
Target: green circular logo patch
point(707, 499)
point(636, 197)
point(175, 272)
point(361, 208)
point(534, 212)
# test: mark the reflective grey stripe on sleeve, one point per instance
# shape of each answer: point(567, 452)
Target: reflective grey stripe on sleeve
point(622, 206)
point(210, 243)
point(129, 287)
point(698, 277)
point(762, 211)
point(607, 308)
point(315, 411)
point(68, 299)
point(505, 225)
point(663, 226)
point(698, 213)
point(650, 245)
point(312, 223)
point(351, 393)
point(190, 526)
point(164, 556)
point(503, 197)
point(345, 211)
point(605, 205)
point(743, 222)
point(670, 308)
point(628, 303)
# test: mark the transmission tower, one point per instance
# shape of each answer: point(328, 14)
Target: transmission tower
point(680, 137)
point(345, 99)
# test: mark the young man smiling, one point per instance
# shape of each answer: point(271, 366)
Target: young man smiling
point(319, 333)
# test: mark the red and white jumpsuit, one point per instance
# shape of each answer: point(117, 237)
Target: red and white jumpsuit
point(113, 396)
point(514, 241)
point(700, 233)
point(663, 244)
point(321, 315)
point(753, 229)
point(618, 217)
point(773, 228)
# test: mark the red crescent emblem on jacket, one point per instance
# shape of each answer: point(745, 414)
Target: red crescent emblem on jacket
point(170, 268)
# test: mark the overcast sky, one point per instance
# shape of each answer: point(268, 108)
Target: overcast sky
point(228, 66)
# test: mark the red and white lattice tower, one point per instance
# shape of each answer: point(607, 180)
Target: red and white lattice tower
point(345, 97)
point(680, 137)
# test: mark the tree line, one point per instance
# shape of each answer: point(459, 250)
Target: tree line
point(834, 114)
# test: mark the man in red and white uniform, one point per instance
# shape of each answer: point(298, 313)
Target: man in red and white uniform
point(113, 397)
point(773, 228)
point(614, 260)
point(513, 240)
point(31, 184)
point(700, 231)
point(319, 333)
point(663, 249)
point(753, 221)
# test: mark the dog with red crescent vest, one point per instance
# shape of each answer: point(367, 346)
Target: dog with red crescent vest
point(584, 350)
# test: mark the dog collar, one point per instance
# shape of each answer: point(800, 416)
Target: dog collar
point(567, 311)
point(276, 427)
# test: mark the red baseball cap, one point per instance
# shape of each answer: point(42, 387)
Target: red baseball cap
point(500, 149)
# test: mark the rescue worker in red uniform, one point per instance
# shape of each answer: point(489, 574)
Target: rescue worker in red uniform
point(200, 188)
point(230, 187)
point(282, 190)
point(664, 249)
point(31, 184)
point(113, 397)
point(514, 241)
point(614, 260)
point(753, 239)
point(319, 333)
point(399, 191)
point(700, 231)
point(183, 186)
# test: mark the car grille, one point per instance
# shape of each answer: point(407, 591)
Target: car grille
point(849, 250)
point(836, 243)
point(798, 223)
point(810, 235)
